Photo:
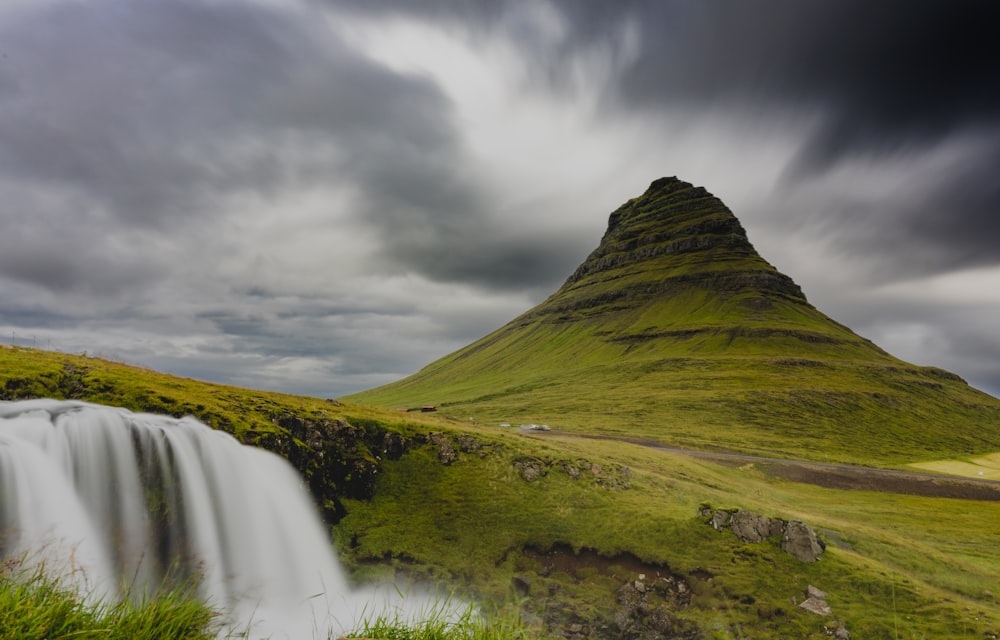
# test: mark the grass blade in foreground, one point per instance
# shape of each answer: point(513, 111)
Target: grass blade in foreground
point(35, 606)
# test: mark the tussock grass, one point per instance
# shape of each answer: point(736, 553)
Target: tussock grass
point(37, 606)
point(445, 622)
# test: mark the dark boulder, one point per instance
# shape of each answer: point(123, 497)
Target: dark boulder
point(800, 541)
point(753, 527)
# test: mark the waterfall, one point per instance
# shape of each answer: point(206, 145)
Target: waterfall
point(120, 503)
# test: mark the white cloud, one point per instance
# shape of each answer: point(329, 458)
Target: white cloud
point(965, 288)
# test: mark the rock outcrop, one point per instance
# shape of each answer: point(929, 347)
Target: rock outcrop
point(800, 541)
point(797, 538)
point(753, 527)
point(446, 452)
point(530, 470)
point(333, 456)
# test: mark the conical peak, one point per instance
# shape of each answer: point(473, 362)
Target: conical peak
point(680, 227)
point(674, 185)
point(675, 328)
point(668, 200)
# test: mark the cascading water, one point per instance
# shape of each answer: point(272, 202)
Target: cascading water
point(107, 498)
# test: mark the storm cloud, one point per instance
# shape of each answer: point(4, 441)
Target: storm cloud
point(323, 196)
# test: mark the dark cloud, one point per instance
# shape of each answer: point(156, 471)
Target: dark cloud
point(160, 112)
point(39, 319)
point(876, 81)
point(892, 76)
point(927, 216)
point(156, 118)
point(957, 336)
point(961, 216)
point(976, 358)
point(883, 76)
point(883, 82)
point(162, 116)
point(156, 157)
point(60, 247)
point(447, 233)
point(435, 220)
point(897, 68)
point(521, 261)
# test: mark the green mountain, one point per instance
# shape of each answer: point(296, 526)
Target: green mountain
point(593, 538)
point(676, 329)
point(673, 331)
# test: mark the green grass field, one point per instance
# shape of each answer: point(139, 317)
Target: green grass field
point(985, 467)
point(601, 512)
point(894, 564)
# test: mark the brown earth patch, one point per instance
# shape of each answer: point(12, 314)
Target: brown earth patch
point(866, 479)
point(562, 558)
point(836, 476)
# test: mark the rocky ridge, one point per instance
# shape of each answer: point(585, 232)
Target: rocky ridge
point(674, 238)
point(797, 538)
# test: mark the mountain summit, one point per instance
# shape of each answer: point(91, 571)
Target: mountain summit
point(676, 329)
point(675, 262)
point(675, 237)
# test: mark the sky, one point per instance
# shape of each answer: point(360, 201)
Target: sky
point(322, 197)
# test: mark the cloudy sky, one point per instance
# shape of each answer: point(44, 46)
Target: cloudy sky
point(320, 197)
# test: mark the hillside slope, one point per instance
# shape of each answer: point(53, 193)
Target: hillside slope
point(674, 328)
point(565, 528)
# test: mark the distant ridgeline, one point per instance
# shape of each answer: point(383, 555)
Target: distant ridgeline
point(676, 329)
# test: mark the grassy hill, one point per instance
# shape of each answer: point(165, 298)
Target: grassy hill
point(675, 329)
point(561, 528)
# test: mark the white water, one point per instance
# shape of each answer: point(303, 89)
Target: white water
point(109, 498)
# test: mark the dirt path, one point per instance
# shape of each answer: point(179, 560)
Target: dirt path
point(830, 475)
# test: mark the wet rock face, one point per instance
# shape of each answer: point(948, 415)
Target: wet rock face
point(333, 456)
point(720, 519)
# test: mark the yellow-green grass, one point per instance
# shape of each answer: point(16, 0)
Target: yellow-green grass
point(894, 563)
point(985, 467)
point(896, 566)
point(878, 413)
point(35, 373)
point(446, 621)
point(806, 387)
point(37, 606)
